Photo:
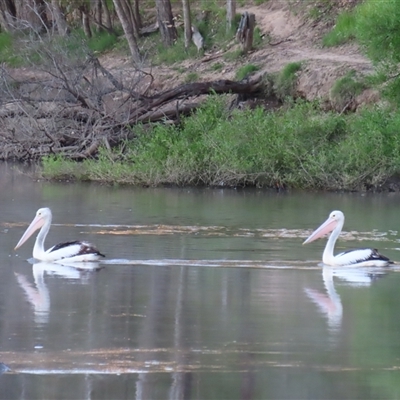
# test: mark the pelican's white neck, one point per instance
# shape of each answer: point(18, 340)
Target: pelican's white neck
point(38, 248)
point(327, 257)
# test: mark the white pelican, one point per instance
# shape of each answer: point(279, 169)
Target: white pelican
point(354, 258)
point(67, 252)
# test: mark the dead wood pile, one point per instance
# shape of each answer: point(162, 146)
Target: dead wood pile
point(73, 109)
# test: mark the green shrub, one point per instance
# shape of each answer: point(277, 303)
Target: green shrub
point(285, 81)
point(343, 31)
point(366, 156)
point(233, 55)
point(345, 90)
point(245, 71)
point(8, 50)
point(258, 39)
point(102, 42)
point(217, 67)
point(174, 53)
point(192, 77)
point(298, 145)
point(59, 167)
point(377, 30)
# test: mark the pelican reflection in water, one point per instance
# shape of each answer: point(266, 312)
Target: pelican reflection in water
point(330, 303)
point(38, 294)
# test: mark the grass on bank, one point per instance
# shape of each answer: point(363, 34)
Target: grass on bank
point(345, 90)
point(343, 31)
point(298, 146)
point(285, 81)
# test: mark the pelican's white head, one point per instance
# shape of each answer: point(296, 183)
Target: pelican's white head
point(43, 216)
point(335, 218)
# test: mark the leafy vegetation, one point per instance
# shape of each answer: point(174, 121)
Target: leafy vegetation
point(378, 26)
point(8, 53)
point(285, 81)
point(233, 55)
point(345, 90)
point(298, 146)
point(192, 77)
point(343, 31)
point(102, 42)
point(245, 71)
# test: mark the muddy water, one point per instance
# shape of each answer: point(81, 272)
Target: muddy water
point(204, 294)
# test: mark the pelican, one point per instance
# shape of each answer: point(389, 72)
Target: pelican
point(67, 252)
point(353, 258)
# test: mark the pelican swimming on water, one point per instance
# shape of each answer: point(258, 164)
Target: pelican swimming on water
point(68, 252)
point(354, 258)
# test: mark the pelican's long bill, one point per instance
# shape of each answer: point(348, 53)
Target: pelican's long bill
point(36, 224)
point(328, 226)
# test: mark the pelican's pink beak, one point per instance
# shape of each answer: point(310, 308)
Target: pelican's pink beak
point(34, 226)
point(328, 226)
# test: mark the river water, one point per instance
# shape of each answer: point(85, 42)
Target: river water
point(204, 294)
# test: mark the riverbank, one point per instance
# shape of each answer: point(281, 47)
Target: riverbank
point(297, 128)
point(298, 146)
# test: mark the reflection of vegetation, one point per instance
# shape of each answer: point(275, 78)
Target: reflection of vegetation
point(299, 146)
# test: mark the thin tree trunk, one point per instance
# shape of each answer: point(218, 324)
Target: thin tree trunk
point(128, 11)
point(8, 13)
point(128, 30)
point(245, 31)
point(96, 6)
point(187, 23)
point(230, 13)
point(85, 21)
point(166, 22)
point(41, 9)
point(107, 15)
point(59, 17)
point(136, 14)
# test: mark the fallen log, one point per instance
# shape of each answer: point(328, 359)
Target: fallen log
point(170, 113)
point(194, 89)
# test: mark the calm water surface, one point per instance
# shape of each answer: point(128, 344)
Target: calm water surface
point(204, 294)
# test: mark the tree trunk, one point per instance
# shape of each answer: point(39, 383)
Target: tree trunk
point(136, 14)
point(7, 15)
point(230, 13)
point(31, 14)
point(245, 31)
point(59, 17)
point(96, 6)
point(41, 9)
point(107, 15)
point(187, 23)
point(128, 28)
point(85, 21)
point(166, 22)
